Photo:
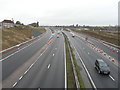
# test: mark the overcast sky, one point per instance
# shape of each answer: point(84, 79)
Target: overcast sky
point(61, 12)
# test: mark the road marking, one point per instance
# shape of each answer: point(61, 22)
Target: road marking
point(49, 66)
point(91, 45)
point(19, 50)
point(88, 53)
point(21, 77)
point(85, 68)
point(31, 67)
point(111, 77)
point(14, 84)
point(25, 71)
point(65, 66)
point(53, 54)
point(55, 48)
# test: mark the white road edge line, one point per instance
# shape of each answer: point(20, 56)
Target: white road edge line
point(31, 65)
point(65, 66)
point(48, 66)
point(111, 77)
point(19, 50)
point(85, 68)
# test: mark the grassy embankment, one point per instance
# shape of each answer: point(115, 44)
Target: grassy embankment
point(111, 37)
point(16, 35)
point(70, 74)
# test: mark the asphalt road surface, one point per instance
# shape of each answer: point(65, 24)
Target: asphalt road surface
point(100, 45)
point(89, 56)
point(39, 65)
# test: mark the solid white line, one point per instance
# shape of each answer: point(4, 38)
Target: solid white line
point(85, 68)
point(35, 61)
point(65, 65)
point(31, 66)
point(48, 66)
point(21, 77)
point(19, 50)
point(14, 84)
point(112, 78)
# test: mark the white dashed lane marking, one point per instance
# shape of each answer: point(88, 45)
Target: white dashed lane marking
point(49, 66)
point(14, 84)
point(55, 48)
point(88, 53)
point(30, 68)
point(21, 77)
point(53, 54)
point(112, 78)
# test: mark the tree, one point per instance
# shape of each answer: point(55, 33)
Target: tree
point(37, 24)
point(18, 22)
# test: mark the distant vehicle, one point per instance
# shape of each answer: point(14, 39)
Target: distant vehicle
point(86, 38)
point(73, 35)
point(58, 32)
point(58, 36)
point(102, 67)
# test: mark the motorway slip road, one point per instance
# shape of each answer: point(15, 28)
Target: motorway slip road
point(37, 65)
point(88, 55)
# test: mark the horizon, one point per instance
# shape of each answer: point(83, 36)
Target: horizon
point(64, 12)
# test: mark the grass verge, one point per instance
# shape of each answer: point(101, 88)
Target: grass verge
point(78, 71)
point(70, 74)
point(111, 37)
point(17, 35)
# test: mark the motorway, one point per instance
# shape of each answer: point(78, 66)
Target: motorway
point(41, 63)
point(88, 56)
point(36, 65)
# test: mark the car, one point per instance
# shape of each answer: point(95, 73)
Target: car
point(58, 36)
point(102, 67)
point(58, 32)
point(73, 35)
